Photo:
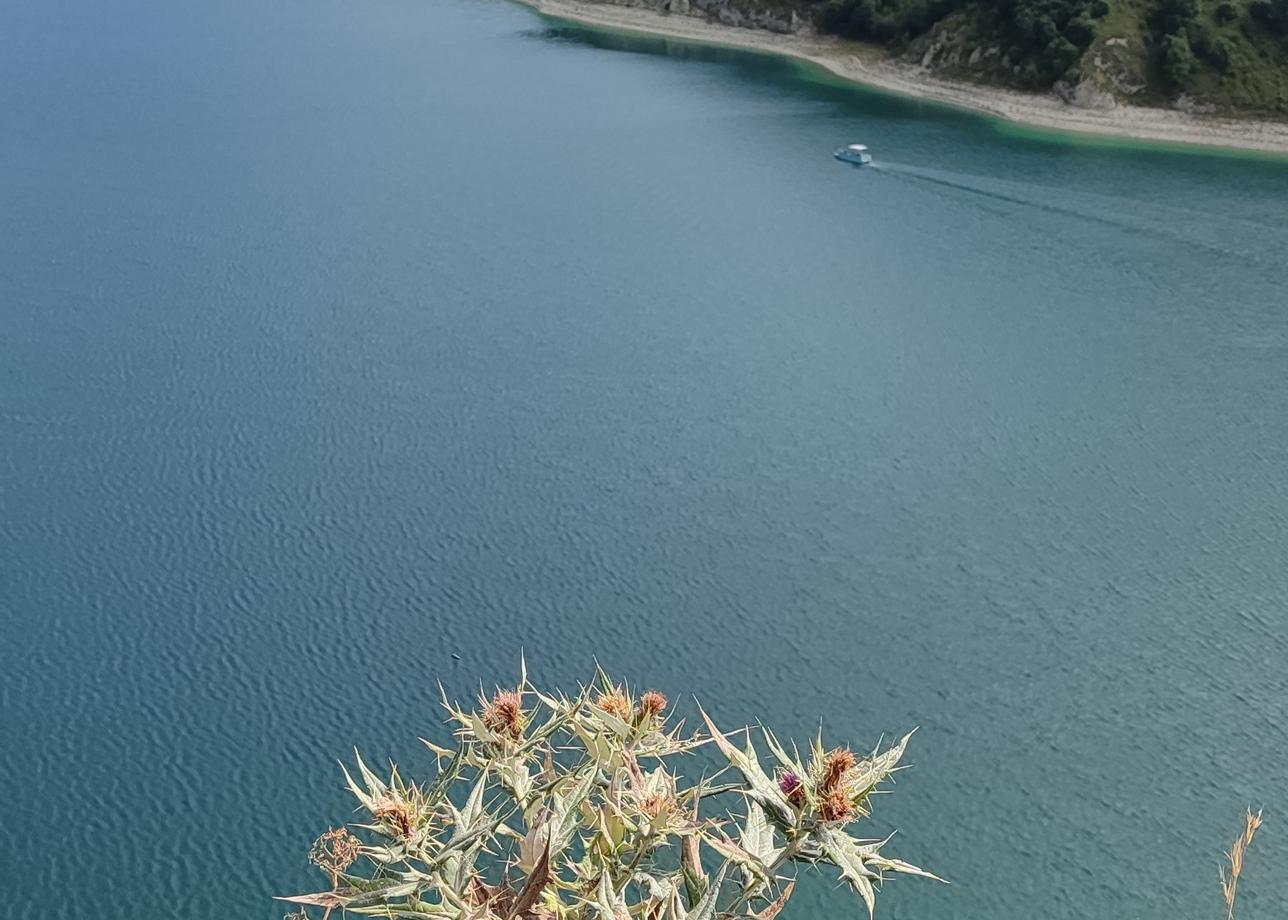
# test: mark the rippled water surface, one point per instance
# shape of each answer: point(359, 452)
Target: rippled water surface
point(340, 337)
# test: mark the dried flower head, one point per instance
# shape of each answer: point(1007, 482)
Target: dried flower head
point(393, 810)
point(335, 851)
point(1230, 883)
point(838, 763)
point(652, 705)
point(504, 714)
point(793, 787)
point(836, 807)
point(615, 703)
point(659, 805)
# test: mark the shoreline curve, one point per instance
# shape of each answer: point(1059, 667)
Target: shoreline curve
point(844, 60)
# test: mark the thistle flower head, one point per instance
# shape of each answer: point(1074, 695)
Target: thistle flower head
point(615, 703)
point(793, 787)
point(335, 851)
point(652, 705)
point(837, 764)
point(504, 714)
point(659, 805)
point(393, 810)
point(836, 807)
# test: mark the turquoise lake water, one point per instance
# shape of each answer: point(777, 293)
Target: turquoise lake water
point(340, 337)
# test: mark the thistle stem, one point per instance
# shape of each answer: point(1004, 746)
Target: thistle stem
point(748, 892)
point(634, 864)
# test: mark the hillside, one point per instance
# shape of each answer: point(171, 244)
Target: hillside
point(1227, 56)
point(1205, 56)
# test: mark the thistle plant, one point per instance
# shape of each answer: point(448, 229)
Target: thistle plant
point(551, 807)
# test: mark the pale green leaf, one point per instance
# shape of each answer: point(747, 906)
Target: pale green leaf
point(425, 912)
point(888, 864)
point(367, 801)
point(705, 909)
point(438, 789)
point(788, 762)
point(757, 834)
point(382, 895)
point(569, 809)
point(872, 771)
point(763, 789)
point(844, 852)
point(473, 809)
point(481, 731)
point(608, 903)
point(374, 784)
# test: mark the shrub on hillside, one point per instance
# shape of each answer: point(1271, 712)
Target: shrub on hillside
point(1179, 62)
point(1270, 14)
point(1080, 31)
point(1052, 34)
point(1175, 15)
point(883, 21)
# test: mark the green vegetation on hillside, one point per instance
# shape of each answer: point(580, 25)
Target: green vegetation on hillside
point(1215, 55)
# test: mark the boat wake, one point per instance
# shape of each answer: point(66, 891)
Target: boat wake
point(1023, 194)
point(1165, 222)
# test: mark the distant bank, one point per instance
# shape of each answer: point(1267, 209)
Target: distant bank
point(860, 64)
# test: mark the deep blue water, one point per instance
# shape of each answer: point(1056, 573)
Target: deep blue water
point(337, 337)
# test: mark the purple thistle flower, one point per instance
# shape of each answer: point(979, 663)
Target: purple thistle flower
point(792, 787)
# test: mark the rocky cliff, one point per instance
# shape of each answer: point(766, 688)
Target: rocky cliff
point(774, 17)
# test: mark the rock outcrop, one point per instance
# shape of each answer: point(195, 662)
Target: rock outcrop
point(745, 14)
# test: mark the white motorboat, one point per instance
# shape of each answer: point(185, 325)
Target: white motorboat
point(854, 153)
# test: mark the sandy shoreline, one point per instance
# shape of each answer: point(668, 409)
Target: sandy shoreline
point(1124, 121)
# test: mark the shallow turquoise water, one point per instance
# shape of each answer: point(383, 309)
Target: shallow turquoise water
point(338, 337)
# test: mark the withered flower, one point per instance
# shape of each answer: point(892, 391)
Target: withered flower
point(836, 807)
point(659, 804)
point(652, 705)
point(335, 851)
point(838, 763)
point(504, 714)
point(394, 811)
point(615, 703)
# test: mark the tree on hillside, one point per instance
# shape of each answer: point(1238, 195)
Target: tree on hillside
point(1179, 62)
point(1272, 14)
